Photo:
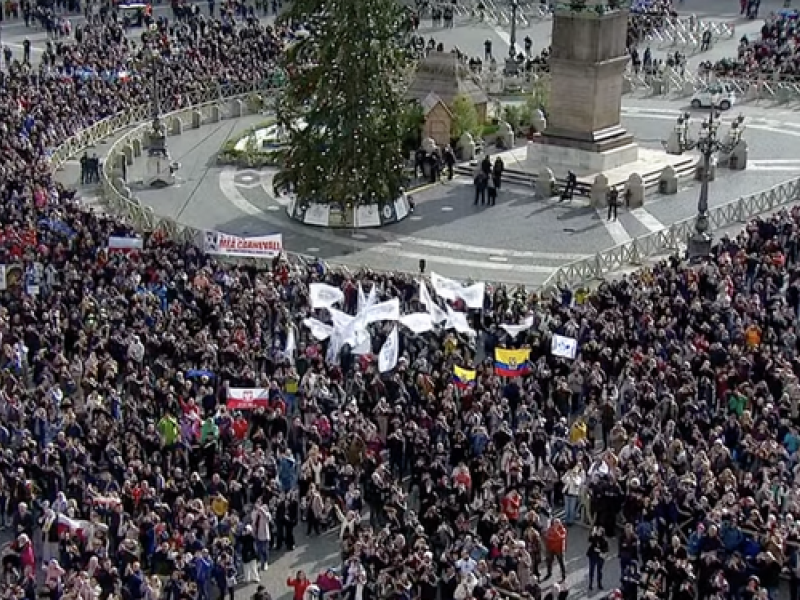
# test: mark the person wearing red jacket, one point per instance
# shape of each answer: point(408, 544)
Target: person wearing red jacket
point(555, 544)
point(300, 584)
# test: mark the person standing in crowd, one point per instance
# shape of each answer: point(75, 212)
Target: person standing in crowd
point(572, 481)
point(597, 553)
point(262, 524)
point(299, 584)
point(555, 541)
point(497, 172)
point(247, 542)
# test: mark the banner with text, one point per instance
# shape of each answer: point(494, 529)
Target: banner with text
point(247, 398)
point(264, 246)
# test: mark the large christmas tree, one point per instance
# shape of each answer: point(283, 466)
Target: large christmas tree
point(343, 105)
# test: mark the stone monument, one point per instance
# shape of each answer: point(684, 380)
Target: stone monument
point(160, 170)
point(587, 61)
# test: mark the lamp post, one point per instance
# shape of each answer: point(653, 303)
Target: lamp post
point(708, 143)
point(512, 48)
point(160, 172)
point(512, 68)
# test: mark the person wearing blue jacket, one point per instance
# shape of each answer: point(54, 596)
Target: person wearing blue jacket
point(203, 569)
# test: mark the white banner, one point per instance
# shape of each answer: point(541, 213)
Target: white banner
point(323, 295)
point(450, 289)
point(264, 246)
point(565, 347)
point(367, 215)
point(317, 214)
point(515, 330)
point(247, 398)
point(319, 330)
point(3, 280)
point(401, 207)
point(417, 322)
point(384, 311)
point(390, 352)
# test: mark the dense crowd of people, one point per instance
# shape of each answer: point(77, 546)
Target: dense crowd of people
point(772, 55)
point(125, 475)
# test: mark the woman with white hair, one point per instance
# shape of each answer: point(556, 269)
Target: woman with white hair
point(249, 555)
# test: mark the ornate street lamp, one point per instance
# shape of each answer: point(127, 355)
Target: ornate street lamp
point(160, 171)
point(511, 62)
point(708, 143)
point(512, 50)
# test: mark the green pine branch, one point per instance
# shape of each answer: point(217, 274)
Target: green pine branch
point(344, 83)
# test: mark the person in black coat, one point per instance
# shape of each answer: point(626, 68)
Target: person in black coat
point(596, 553)
point(249, 556)
point(287, 515)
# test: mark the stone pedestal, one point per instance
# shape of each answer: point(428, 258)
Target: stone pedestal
point(546, 183)
point(737, 159)
point(668, 182)
point(466, 146)
point(599, 194)
point(634, 191)
point(505, 135)
point(587, 63)
point(561, 158)
point(674, 145)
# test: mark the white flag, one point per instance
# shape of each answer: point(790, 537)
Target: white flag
point(362, 299)
point(437, 314)
point(390, 353)
point(320, 331)
point(341, 320)
point(473, 295)
point(385, 311)
point(515, 330)
point(323, 295)
point(420, 322)
point(444, 287)
point(457, 321)
point(334, 348)
point(365, 347)
point(372, 298)
point(291, 344)
point(565, 347)
point(450, 289)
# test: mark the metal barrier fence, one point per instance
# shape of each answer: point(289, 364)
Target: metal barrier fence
point(670, 239)
point(675, 82)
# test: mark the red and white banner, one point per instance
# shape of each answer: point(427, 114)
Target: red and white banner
point(125, 245)
point(80, 528)
point(247, 398)
point(264, 246)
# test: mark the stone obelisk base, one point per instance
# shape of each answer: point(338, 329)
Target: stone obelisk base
point(563, 155)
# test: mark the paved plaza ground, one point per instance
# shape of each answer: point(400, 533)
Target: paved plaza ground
point(521, 240)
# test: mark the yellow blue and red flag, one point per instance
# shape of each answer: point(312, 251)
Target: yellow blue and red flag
point(463, 378)
point(511, 363)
